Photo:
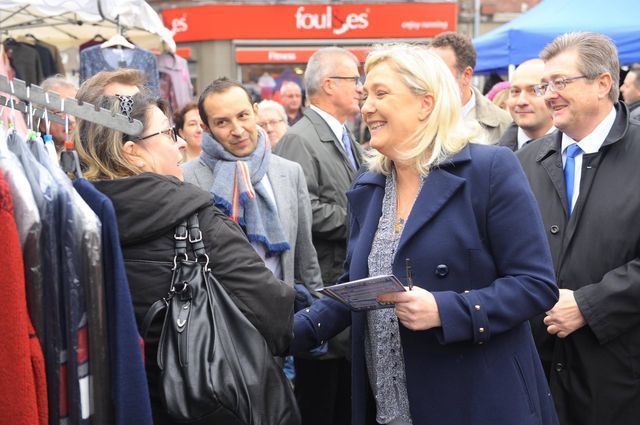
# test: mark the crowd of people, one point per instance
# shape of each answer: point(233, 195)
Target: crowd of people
point(523, 241)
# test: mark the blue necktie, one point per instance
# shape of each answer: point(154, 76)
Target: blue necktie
point(569, 172)
point(346, 143)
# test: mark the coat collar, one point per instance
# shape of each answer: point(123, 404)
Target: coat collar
point(441, 184)
point(550, 144)
point(486, 111)
point(321, 126)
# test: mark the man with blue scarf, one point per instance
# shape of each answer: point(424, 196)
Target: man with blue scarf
point(265, 194)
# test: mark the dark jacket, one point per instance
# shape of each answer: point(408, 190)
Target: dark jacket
point(475, 240)
point(634, 110)
point(595, 372)
point(509, 138)
point(148, 207)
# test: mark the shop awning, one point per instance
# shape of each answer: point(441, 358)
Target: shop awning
point(524, 37)
point(68, 23)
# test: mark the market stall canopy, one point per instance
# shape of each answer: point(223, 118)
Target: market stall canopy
point(524, 37)
point(67, 23)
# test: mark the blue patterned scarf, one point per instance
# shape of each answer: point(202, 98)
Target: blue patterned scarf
point(239, 192)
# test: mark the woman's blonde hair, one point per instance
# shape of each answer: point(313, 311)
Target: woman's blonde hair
point(101, 148)
point(443, 133)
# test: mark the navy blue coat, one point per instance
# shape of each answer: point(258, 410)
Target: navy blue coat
point(475, 240)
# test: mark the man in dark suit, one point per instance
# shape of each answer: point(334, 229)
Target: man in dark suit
point(631, 90)
point(326, 150)
point(589, 342)
point(532, 118)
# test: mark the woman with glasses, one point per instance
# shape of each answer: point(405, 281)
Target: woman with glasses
point(143, 179)
point(457, 223)
point(273, 119)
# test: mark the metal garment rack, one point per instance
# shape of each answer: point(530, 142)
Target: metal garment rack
point(39, 113)
point(42, 99)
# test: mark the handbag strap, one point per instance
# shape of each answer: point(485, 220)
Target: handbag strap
point(195, 239)
point(187, 232)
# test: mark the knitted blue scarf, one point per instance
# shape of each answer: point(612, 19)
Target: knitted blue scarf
point(251, 207)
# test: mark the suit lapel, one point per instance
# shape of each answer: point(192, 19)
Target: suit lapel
point(550, 157)
point(326, 135)
point(439, 187)
point(365, 201)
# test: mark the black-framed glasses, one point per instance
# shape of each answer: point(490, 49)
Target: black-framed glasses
point(554, 85)
point(356, 79)
point(168, 132)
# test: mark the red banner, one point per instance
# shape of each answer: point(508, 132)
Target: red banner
point(244, 55)
point(340, 21)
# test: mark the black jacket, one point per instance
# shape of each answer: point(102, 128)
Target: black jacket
point(594, 372)
point(148, 207)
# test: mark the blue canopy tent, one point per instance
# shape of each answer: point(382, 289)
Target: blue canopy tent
point(524, 37)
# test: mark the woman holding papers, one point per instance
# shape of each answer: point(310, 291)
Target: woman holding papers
point(460, 217)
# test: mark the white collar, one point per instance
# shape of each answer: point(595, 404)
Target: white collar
point(593, 141)
point(523, 138)
point(468, 107)
point(336, 127)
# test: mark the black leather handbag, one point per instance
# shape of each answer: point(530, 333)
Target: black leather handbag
point(215, 366)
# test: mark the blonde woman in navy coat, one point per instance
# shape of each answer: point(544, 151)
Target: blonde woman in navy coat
point(457, 349)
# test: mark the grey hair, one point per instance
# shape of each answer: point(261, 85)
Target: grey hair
point(321, 64)
point(597, 54)
point(271, 105)
point(57, 80)
point(288, 84)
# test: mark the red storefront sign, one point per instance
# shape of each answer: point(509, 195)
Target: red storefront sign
point(245, 55)
point(340, 21)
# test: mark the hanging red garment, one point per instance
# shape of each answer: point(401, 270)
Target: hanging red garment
point(23, 391)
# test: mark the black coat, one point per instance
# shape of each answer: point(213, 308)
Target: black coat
point(594, 373)
point(148, 207)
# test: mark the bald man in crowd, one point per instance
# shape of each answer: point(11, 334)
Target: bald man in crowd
point(531, 116)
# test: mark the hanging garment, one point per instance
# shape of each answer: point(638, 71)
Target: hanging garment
point(8, 115)
point(27, 219)
point(25, 60)
point(84, 300)
point(55, 54)
point(20, 391)
point(177, 68)
point(95, 59)
point(167, 92)
point(45, 193)
point(129, 388)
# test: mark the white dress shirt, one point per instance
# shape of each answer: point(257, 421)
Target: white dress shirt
point(589, 144)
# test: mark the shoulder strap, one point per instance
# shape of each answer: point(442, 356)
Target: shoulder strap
point(180, 237)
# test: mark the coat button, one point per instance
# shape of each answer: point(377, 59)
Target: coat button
point(559, 367)
point(442, 270)
point(554, 229)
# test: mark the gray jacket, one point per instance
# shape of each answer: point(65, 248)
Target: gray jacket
point(493, 120)
point(312, 144)
point(300, 263)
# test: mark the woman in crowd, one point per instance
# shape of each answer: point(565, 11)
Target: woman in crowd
point(188, 125)
point(457, 348)
point(273, 119)
point(143, 178)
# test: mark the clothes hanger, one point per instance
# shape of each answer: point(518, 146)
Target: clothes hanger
point(117, 40)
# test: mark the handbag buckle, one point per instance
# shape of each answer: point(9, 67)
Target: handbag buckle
point(198, 238)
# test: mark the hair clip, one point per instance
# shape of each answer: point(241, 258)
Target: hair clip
point(126, 105)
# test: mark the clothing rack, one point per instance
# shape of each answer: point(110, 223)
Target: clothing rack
point(5, 102)
point(37, 96)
